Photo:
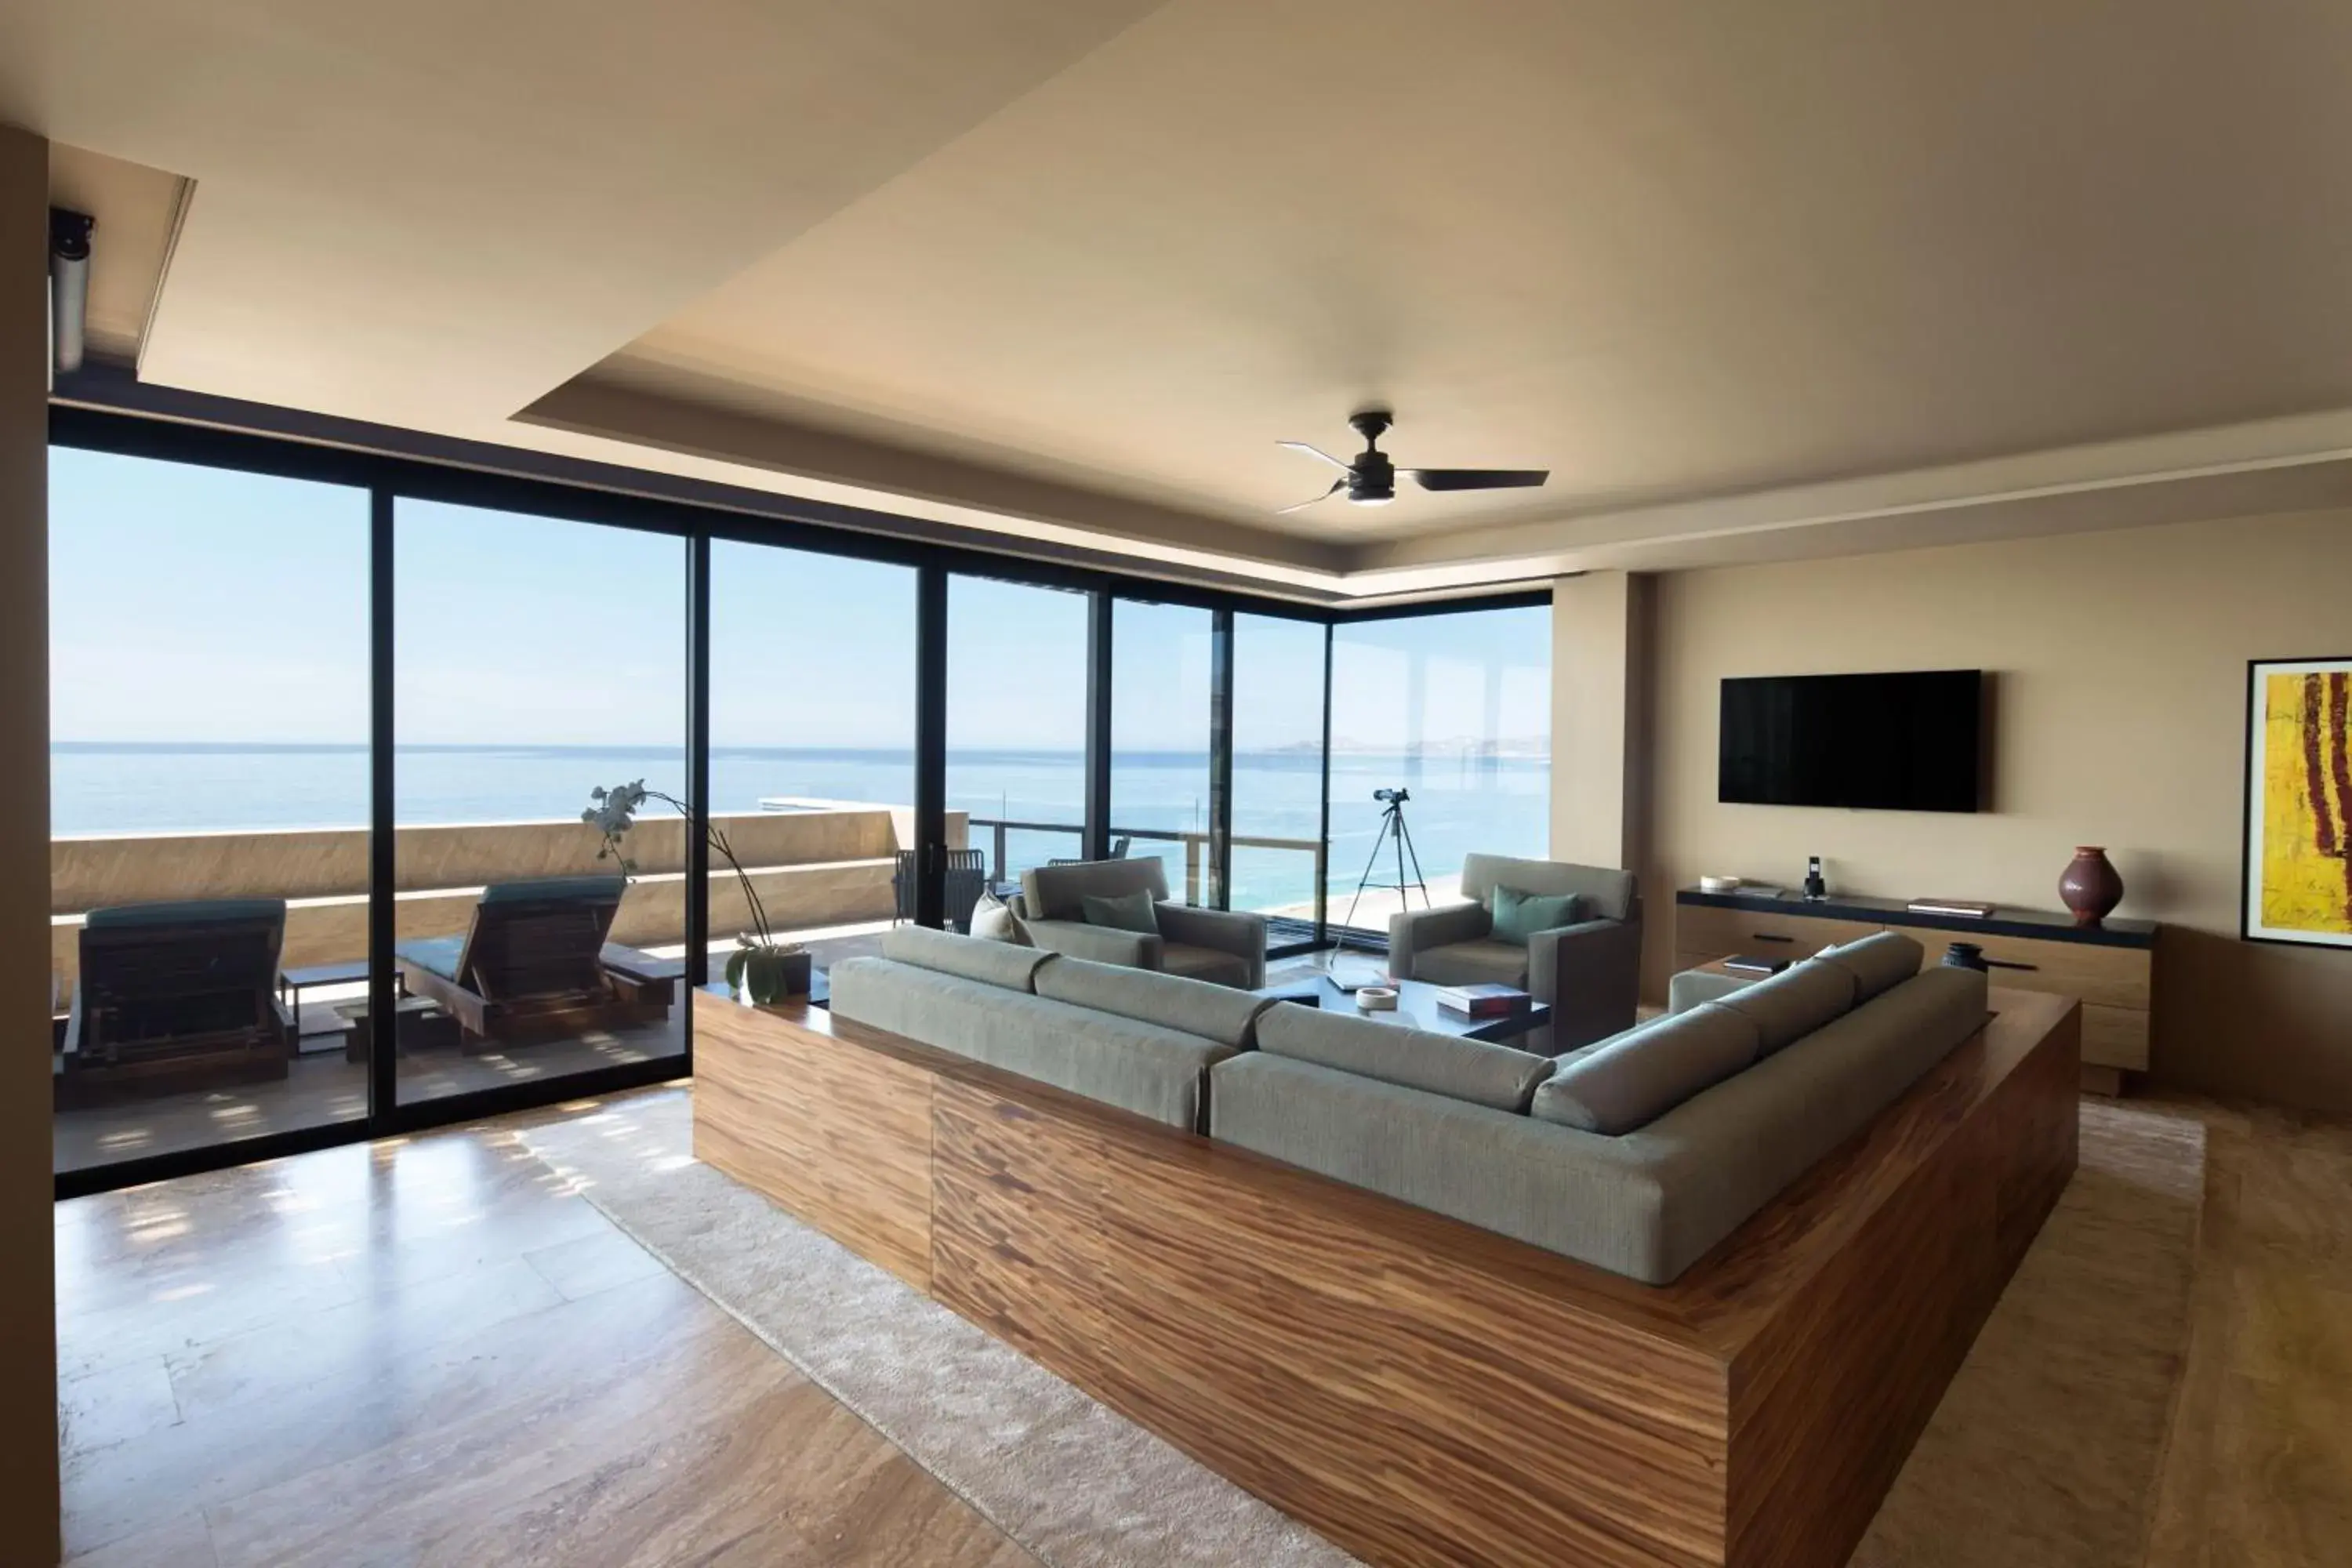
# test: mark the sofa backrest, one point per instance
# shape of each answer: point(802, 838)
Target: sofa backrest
point(1216, 1012)
point(1878, 963)
point(1793, 1002)
point(1498, 1077)
point(1058, 892)
point(1607, 894)
point(1002, 963)
point(1632, 1079)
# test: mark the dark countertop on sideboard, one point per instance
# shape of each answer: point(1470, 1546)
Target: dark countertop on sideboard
point(2040, 925)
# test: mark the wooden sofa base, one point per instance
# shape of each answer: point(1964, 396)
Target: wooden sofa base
point(1417, 1390)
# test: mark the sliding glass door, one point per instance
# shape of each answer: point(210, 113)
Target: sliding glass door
point(812, 749)
point(208, 804)
point(1017, 724)
point(1277, 808)
point(1455, 709)
point(538, 661)
point(1161, 784)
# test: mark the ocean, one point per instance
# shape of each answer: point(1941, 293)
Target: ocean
point(1460, 801)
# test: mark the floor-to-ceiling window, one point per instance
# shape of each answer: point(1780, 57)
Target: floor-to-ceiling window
point(209, 803)
point(1277, 796)
point(1456, 711)
point(1160, 717)
point(537, 660)
point(812, 748)
point(1016, 728)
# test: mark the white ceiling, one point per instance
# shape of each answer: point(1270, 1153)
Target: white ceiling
point(1750, 280)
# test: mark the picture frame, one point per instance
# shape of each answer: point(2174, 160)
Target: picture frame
point(2296, 883)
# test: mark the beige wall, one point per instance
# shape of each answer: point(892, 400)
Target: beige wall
point(1599, 742)
point(2118, 665)
point(29, 1353)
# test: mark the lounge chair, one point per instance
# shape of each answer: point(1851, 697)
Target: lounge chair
point(967, 878)
point(529, 965)
point(1225, 947)
point(176, 996)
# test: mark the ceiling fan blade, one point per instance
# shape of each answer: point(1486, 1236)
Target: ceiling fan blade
point(1476, 478)
point(1312, 452)
point(1337, 486)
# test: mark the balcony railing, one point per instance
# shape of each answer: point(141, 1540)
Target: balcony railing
point(1194, 840)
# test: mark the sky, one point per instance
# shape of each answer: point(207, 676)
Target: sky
point(200, 604)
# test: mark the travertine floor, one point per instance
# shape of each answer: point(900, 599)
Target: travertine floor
point(430, 1351)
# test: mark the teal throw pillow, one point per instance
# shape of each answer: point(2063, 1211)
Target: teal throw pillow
point(1127, 911)
point(1518, 916)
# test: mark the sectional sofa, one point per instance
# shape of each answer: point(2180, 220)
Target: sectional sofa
point(1439, 1300)
point(1636, 1154)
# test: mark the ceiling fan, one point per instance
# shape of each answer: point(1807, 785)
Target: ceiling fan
point(1370, 479)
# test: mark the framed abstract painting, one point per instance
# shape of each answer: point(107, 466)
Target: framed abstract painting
point(2299, 802)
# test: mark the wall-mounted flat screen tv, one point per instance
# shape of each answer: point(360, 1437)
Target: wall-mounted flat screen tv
point(1907, 741)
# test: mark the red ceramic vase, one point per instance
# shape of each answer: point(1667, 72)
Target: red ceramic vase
point(2091, 886)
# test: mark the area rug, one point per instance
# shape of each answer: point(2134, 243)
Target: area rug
point(2045, 1449)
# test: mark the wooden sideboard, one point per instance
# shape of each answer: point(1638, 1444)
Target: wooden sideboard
point(2112, 967)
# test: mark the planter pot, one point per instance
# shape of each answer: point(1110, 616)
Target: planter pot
point(2091, 886)
point(767, 976)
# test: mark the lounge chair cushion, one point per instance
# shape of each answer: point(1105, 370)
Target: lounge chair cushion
point(188, 911)
point(1133, 912)
point(1214, 965)
point(1518, 915)
point(436, 954)
point(545, 890)
point(1482, 962)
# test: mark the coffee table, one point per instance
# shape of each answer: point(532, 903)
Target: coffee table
point(1416, 1008)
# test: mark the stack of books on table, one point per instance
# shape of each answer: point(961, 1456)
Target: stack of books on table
point(1484, 1001)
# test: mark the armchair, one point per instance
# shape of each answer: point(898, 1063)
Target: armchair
point(1588, 973)
point(1203, 944)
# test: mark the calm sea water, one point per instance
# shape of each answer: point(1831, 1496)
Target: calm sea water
point(1459, 802)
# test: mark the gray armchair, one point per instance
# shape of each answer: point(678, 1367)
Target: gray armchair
point(1588, 973)
point(1203, 944)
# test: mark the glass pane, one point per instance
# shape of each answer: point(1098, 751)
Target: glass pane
point(1277, 773)
point(535, 661)
point(1456, 711)
point(1160, 741)
point(1017, 720)
point(812, 749)
point(209, 720)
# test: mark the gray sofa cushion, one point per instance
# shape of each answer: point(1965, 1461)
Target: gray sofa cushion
point(1470, 1070)
point(1647, 1205)
point(1154, 1071)
point(1211, 965)
point(1635, 1078)
point(1485, 961)
point(1793, 1002)
point(1195, 1007)
point(973, 958)
point(1576, 1193)
point(1136, 911)
point(1878, 964)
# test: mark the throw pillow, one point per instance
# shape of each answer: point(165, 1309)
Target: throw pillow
point(991, 919)
point(1519, 915)
point(1127, 911)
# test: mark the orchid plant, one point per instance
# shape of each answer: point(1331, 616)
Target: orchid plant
point(612, 812)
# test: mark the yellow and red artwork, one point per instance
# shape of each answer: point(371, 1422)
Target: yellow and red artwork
point(2299, 815)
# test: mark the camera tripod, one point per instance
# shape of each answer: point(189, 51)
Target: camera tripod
point(1391, 828)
